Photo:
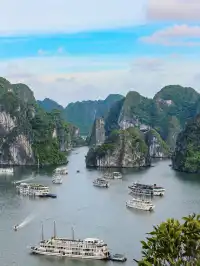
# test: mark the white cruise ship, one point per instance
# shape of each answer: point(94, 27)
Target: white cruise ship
point(7, 171)
point(32, 189)
point(114, 175)
point(117, 175)
point(61, 171)
point(140, 204)
point(57, 180)
point(146, 189)
point(89, 248)
point(101, 182)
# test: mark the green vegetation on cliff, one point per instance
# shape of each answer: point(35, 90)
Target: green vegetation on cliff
point(47, 134)
point(167, 112)
point(186, 157)
point(139, 106)
point(46, 147)
point(122, 148)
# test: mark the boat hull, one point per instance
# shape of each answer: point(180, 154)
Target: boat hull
point(101, 186)
point(44, 253)
point(144, 208)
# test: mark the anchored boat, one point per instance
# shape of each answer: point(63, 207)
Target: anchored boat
point(89, 248)
point(140, 204)
point(101, 182)
point(147, 189)
point(57, 180)
point(61, 171)
point(7, 171)
point(114, 175)
point(32, 189)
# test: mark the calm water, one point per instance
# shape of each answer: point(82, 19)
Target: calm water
point(93, 212)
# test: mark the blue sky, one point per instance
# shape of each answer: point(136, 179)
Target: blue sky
point(91, 51)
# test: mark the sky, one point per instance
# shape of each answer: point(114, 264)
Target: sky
point(87, 49)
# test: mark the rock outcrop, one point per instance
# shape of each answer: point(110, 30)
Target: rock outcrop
point(186, 157)
point(156, 145)
point(167, 112)
point(98, 132)
point(123, 148)
point(28, 133)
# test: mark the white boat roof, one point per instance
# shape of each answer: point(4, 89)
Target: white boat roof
point(91, 239)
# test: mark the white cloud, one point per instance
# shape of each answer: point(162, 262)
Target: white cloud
point(145, 75)
point(59, 51)
point(24, 16)
point(177, 35)
point(173, 10)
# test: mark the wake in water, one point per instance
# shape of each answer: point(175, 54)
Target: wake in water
point(26, 221)
point(20, 181)
point(29, 218)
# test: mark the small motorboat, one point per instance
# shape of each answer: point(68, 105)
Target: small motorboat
point(78, 171)
point(118, 258)
point(15, 227)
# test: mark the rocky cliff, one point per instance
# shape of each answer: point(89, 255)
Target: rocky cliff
point(156, 145)
point(186, 157)
point(167, 112)
point(123, 148)
point(27, 133)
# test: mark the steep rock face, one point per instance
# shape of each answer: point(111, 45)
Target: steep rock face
point(15, 142)
point(28, 133)
point(156, 145)
point(186, 157)
point(124, 148)
point(98, 132)
point(134, 111)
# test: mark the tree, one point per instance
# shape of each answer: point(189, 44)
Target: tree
point(173, 243)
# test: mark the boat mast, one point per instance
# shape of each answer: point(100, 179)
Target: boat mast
point(72, 233)
point(54, 229)
point(42, 233)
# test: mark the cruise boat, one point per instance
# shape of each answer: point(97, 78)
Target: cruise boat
point(117, 175)
point(101, 182)
point(145, 205)
point(89, 248)
point(61, 171)
point(146, 189)
point(32, 189)
point(7, 171)
point(114, 175)
point(57, 180)
point(141, 191)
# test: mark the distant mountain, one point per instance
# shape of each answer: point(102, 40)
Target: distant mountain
point(82, 114)
point(48, 105)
